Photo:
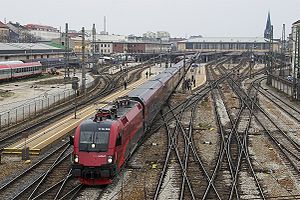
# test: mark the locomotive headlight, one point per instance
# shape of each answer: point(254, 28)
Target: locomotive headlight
point(109, 159)
point(76, 158)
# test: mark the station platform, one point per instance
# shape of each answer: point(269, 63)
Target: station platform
point(46, 136)
point(200, 76)
point(195, 77)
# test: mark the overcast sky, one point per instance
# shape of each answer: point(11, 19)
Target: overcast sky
point(182, 18)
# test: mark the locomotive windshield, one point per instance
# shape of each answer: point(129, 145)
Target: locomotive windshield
point(94, 140)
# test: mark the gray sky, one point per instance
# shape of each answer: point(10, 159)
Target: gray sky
point(181, 18)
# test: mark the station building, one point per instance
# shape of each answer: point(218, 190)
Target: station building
point(258, 44)
point(140, 47)
point(27, 51)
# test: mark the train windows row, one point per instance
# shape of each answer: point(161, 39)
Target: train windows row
point(25, 69)
point(19, 70)
point(5, 71)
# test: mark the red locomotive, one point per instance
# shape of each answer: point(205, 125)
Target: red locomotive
point(103, 143)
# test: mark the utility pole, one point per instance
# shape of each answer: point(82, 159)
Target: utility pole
point(160, 55)
point(94, 45)
point(83, 60)
point(171, 56)
point(67, 48)
point(251, 61)
point(281, 72)
point(296, 75)
point(270, 56)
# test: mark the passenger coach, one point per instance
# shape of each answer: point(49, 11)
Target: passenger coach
point(17, 69)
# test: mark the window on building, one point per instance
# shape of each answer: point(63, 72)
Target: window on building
point(104, 45)
point(189, 45)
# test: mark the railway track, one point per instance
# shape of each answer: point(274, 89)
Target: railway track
point(49, 176)
point(185, 153)
point(182, 170)
point(243, 168)
point(285, 144)
point(110, 85)
point(291, 111)
point(26, 180)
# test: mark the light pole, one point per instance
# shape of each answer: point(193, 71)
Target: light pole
point(83, 60)
point(75, 88)
point(160, 51)
point(171, 54)
point(251, 61)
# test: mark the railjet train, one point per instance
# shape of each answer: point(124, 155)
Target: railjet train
point(103, 143)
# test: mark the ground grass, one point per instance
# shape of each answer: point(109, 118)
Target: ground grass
point(67, 80)
point(35, 78)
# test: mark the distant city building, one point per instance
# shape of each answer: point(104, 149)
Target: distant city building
point(226, 44)
point(4, 32)
point(163, 35)
point(196, 36)
point(140, 47)
point(174, 43)
point(149, 34)
point(42, 32)
point(110, 44)
point(103, 33)
point(74, 33)
point(268, 29)
point(104, 43)
point(18, 33)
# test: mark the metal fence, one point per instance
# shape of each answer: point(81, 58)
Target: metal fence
point(37, 106)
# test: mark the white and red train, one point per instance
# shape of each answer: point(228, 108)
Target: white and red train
point(17, 69)
point(102, 144)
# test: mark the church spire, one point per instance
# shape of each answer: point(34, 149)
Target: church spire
point(268, 29)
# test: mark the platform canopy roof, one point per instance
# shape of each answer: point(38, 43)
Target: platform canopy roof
point(26, 46)
point(227, 40)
